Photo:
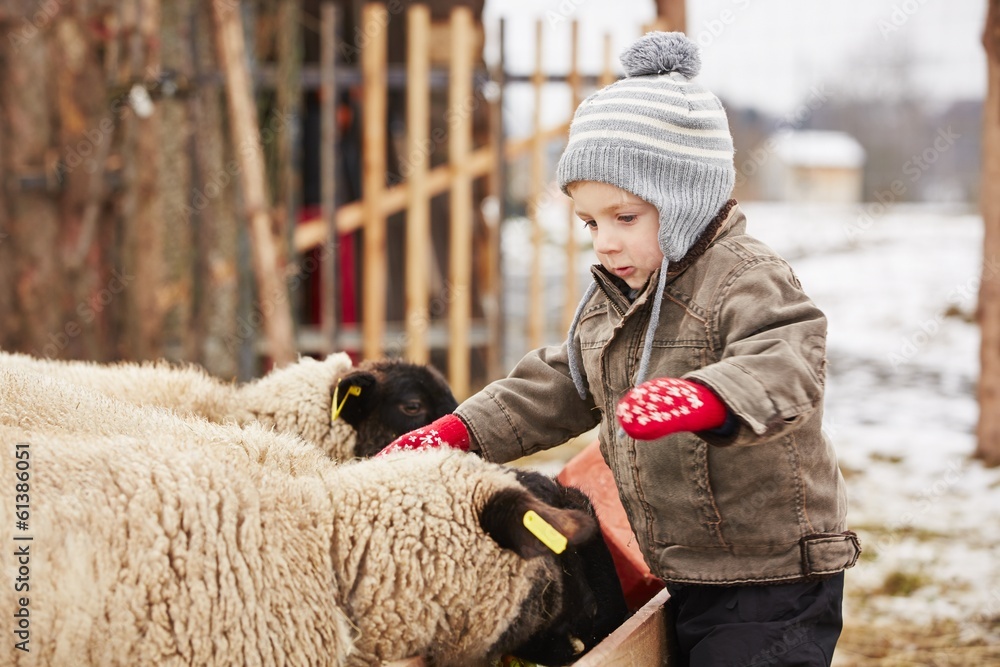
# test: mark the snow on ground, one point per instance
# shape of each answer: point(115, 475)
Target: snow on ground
point(899, 288)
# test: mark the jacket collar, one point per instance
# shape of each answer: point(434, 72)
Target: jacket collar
point(730, 220)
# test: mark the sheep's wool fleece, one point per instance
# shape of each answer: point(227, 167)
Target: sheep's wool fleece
point(166, 545)
point(293, 399)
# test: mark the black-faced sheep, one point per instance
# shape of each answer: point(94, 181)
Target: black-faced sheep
point(182, 541)
point(395, 396)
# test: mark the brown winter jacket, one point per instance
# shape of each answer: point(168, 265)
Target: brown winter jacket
point(764, 504)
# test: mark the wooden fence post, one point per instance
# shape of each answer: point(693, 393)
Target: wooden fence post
point(570, 301)
point(460, 106)
point(328, 174)
point(418, 214)
point(268, 263)
point(494, 217)
point(988, 311)
point(375, 83)
point(536, 291)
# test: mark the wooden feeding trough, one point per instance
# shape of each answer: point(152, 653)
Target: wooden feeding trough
point(641, 641)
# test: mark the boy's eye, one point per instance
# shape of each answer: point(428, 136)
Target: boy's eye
point(627, 218)
point(590, 224)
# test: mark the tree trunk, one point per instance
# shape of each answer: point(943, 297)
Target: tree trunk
point(213, 219)
point(988, 430)
point(143, 228)
point(181, 334)
point(57, 283)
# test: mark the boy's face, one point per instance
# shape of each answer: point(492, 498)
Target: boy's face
point(624, 229)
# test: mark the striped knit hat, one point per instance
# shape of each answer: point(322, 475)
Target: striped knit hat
point(662, 137)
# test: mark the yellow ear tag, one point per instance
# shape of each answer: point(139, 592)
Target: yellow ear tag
point(544, 531)
point(335, 409)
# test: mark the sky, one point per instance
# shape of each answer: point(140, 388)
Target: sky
point(771, 53)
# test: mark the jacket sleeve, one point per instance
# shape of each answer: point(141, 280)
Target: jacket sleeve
point(771, 345)
point(535, 407)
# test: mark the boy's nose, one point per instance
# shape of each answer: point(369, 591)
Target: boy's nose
point(606, 242)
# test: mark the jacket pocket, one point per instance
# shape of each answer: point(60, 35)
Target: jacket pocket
point(829, 553)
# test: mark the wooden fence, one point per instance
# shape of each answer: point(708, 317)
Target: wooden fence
point(158, 198)
point(412, 196)
point(466, 163)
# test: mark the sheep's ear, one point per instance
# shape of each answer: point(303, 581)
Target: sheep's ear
point(546, 530)
point(358, 405)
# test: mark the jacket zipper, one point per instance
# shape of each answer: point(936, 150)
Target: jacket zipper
point(611, 299)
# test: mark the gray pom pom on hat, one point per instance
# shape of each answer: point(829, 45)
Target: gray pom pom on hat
point(662, 53)
point(662, 136)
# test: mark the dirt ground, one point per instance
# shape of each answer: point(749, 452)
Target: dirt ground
point(940, 645)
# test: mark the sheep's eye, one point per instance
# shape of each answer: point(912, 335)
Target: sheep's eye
point(412, 408)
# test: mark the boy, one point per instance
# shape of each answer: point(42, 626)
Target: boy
point(703, 361)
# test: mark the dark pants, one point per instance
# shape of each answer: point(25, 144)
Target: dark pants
point(747, 626)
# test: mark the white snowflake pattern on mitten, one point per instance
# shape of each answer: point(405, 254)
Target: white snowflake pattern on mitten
point(448, 431)
point(667, 405)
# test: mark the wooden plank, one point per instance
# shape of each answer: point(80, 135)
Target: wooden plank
point(374, 263)
point(608, 73)
point(570, 286)
point(672, 14)
point(641, 641)
point(418, 211)
point(328, 173)
point(536, 289)
point(350, 217)
point(267, 260)
point(460, 243)
point(408, 662)
point(988, 311)
point(494, 216)
point(310, 338)
point(515, 147)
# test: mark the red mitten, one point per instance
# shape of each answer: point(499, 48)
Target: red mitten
point(668, 405)
point(447, 431)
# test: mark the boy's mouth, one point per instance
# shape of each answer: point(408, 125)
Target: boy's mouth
point(623, 271)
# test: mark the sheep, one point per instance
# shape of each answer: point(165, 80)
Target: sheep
point(395, 397)
point(160, 548)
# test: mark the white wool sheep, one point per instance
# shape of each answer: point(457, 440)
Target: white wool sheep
point(395, 397)
point(167, 544)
